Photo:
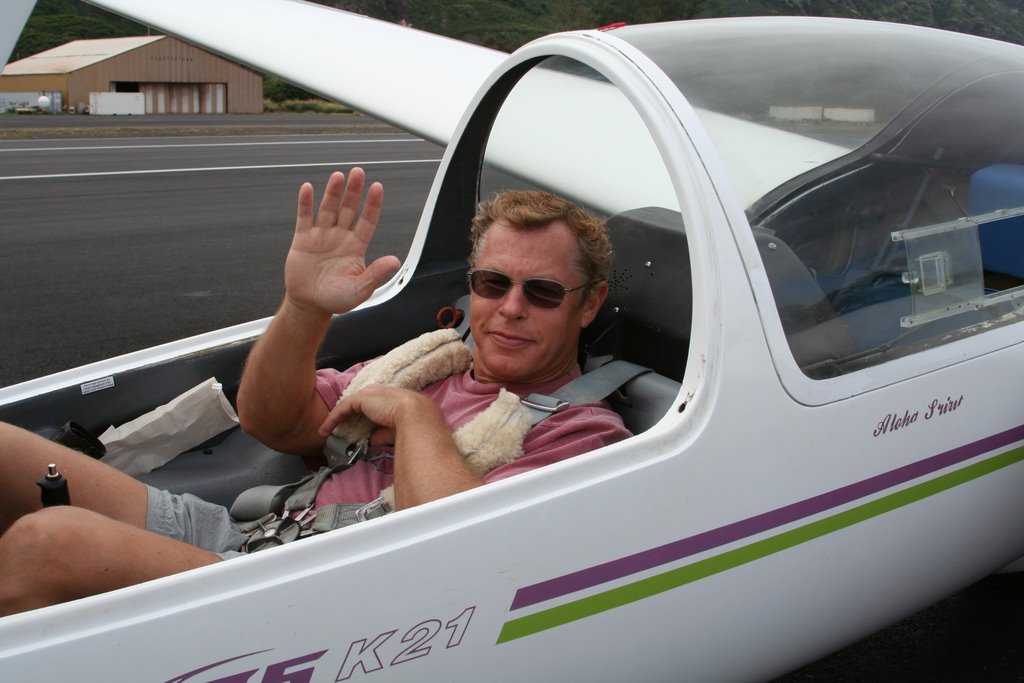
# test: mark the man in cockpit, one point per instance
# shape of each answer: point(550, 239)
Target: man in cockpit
point(538, 277)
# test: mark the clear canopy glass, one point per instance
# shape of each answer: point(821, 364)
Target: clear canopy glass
point(875, 163)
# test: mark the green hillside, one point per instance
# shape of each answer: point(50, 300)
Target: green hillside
point(55, 22)
point(1000, 19)
point(507, 24)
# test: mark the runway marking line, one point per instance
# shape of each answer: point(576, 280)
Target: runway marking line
point(94, 174)
point(208, 144)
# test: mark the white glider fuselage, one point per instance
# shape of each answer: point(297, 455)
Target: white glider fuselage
point(810, 478)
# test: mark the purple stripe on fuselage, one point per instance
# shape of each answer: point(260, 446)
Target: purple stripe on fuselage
point(648, 559)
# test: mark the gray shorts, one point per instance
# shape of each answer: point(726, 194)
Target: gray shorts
point(193, 520)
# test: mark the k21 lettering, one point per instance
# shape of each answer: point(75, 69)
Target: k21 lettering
point(361, 656)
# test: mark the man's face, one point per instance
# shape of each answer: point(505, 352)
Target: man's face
point(515, 341)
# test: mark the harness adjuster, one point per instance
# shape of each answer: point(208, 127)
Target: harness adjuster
point(373, 509)
point(340, 453)
point(272, 530)
point(549, 404)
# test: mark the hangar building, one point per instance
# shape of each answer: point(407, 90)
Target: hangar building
point(173, 76)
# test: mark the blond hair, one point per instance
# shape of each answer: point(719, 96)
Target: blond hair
point(533, 210)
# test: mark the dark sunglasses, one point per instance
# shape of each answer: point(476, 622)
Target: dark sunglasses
point(543, 293)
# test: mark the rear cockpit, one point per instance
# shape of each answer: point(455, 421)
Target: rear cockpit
point(914, 239)
point(880, 168)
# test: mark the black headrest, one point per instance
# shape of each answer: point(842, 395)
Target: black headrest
point(816, 335)
point(646, 318)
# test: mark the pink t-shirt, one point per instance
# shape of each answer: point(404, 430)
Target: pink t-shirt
point(565, 434)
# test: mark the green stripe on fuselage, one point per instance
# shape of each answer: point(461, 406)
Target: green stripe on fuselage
point(645, 588)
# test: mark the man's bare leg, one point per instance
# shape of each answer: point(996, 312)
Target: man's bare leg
point(64, 553)
point(98, 544)
point(92, 485)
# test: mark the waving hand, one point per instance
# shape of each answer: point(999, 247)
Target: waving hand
point(326, 267)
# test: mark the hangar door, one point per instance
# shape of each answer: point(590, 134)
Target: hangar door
point(185, 98)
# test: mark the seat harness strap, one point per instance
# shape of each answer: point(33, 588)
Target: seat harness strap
point(283, 499)
point(590, 387)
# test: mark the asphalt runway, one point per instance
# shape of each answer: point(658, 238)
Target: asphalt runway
point(175, 227)
point(178, 125)
point(113, 245)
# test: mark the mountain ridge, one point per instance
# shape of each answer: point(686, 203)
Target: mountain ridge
point(507, 24)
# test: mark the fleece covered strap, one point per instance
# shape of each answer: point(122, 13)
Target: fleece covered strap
point(489, 440)
point(418, 362)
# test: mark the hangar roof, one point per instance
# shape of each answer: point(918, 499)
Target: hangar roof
point(76, 55)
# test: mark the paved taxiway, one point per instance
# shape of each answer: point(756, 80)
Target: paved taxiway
point(109, 245)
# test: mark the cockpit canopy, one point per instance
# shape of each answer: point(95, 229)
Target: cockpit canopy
point(887, 159)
